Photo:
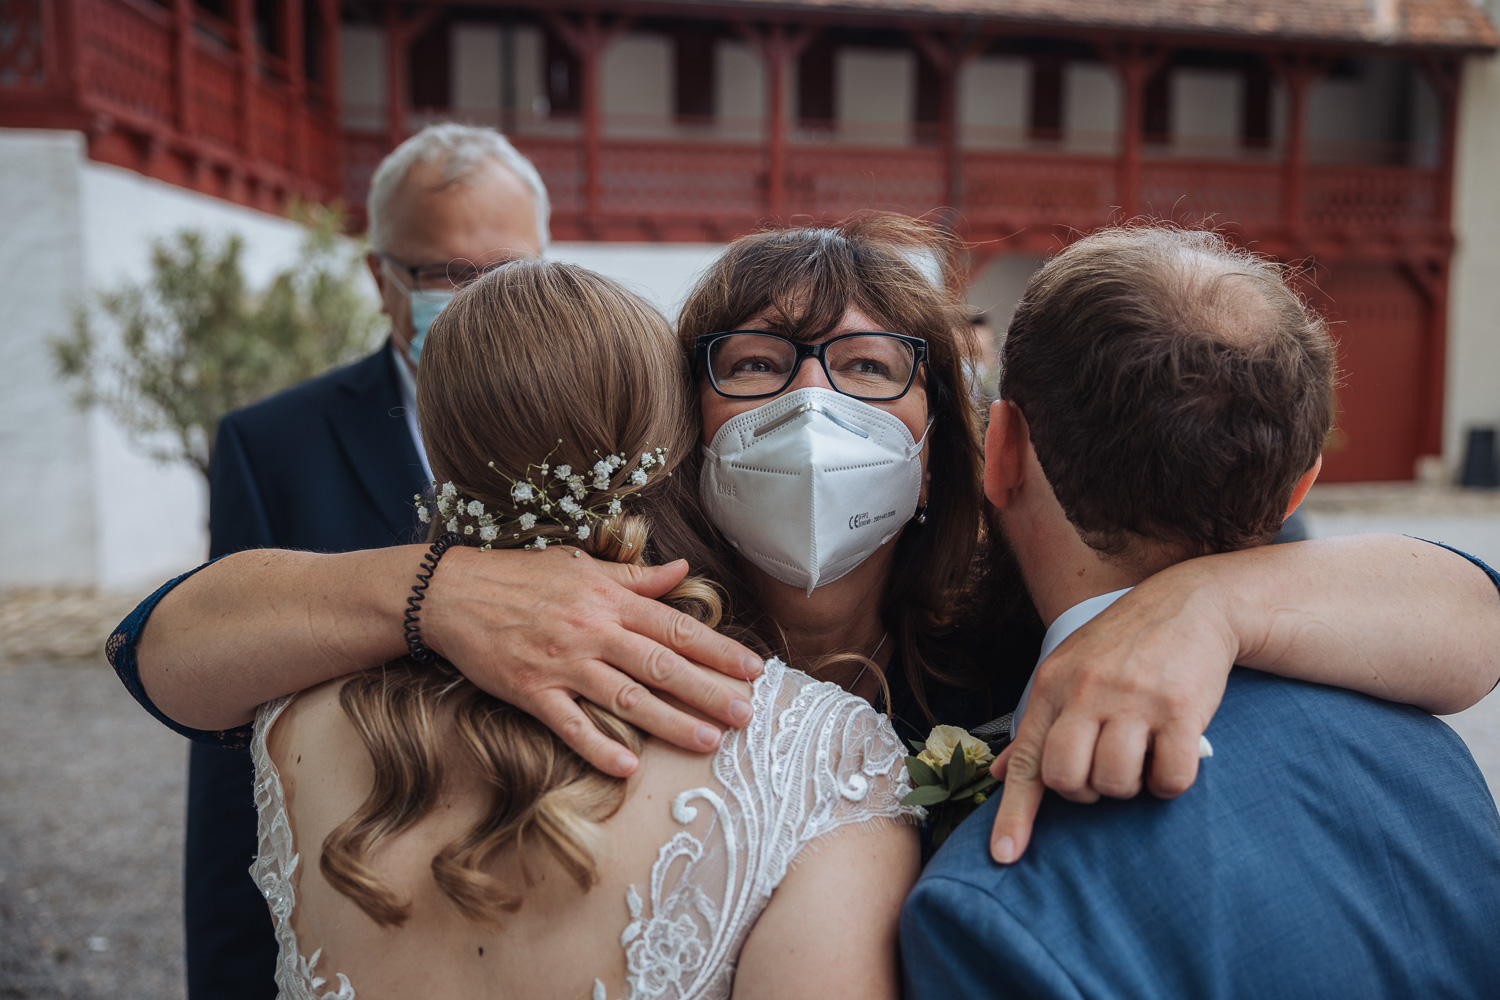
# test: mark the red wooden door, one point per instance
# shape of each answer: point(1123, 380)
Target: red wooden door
point(1379, 319)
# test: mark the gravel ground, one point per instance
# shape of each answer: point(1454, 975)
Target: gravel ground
point(91, 807)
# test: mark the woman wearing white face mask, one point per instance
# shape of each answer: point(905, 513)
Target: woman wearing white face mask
point(540, 629)
point(841, 456)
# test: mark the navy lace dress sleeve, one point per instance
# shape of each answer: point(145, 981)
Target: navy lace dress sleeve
point(120, 649)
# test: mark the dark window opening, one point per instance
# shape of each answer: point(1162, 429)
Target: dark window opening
point(1046, 114)
point(929, 103)
point(563, 76)
point(693, 69)
point(1158, 107)
point(1255, 113)
point(428, 63)
point(815, 83)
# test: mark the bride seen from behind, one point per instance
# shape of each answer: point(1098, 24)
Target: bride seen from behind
point(419, 836)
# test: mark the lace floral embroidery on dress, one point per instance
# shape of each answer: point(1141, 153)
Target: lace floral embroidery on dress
point(814, 758)
point(274, 871)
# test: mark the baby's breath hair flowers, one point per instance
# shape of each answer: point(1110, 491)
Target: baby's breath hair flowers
point(578, 502)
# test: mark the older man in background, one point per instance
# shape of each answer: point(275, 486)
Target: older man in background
point(330, 465)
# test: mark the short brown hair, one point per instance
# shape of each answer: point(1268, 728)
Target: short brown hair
point(1176, 388)
point(895, 269)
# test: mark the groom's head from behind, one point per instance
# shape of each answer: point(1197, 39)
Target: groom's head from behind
point(1164, 395)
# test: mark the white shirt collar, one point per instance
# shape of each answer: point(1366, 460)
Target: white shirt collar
point(406, 386)
point(1066, 624)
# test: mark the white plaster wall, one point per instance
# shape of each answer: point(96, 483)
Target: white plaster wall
point(152, 518)
point(123, 211)
point(1091, 107)
point(1346, 116)
point(475, 72)
point(636, 76)
point(48, 534)
point(993, 100)
point(1333, 110)
point(1473, 384)
point(1206, 104)
point(996, 290)
point(739, 80)
point(531, 92)
point(875, 94)
point(663, 273)
point(74, 226)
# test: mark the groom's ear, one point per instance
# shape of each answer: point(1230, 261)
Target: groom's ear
point(1299, 492)
point(1006, 441)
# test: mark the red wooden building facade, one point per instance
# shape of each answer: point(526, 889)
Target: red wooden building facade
point(240, 99)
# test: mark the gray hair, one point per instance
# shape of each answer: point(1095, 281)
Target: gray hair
point(460, 149)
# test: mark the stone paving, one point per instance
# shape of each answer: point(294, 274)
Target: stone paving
point(91, 810)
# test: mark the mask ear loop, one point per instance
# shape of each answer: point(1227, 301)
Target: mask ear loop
point(923, 439)
point(921, 514)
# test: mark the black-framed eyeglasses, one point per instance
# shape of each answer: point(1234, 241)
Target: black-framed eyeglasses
point(753, 364)
point(440, 277)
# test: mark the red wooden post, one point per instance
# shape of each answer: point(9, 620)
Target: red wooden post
point(182, 65)
point(775, 62)
point(949, 61)
point(331, 82)
point(244, 46)
point(64, 52)
point(588, 57)
point(776, 49)
point(1436, 288)
point(396, 41)
point(588, 43)
point(1446, 76)
point(1294, 164)
point(331, 95)
point(293, 46)
point(1135, 67)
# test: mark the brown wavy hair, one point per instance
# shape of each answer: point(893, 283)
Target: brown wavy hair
point(536, 358)
point(898, 271)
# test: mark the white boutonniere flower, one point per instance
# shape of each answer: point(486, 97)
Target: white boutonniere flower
point(950, 778)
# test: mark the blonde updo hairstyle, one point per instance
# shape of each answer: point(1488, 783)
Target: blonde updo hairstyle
point(535, 359)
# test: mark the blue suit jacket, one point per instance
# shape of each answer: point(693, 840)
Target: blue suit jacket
point(330, 466)
point(1334, 846)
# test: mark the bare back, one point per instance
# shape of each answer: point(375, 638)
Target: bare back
point(688, 865)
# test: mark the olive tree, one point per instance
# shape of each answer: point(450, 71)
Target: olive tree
point(170, 355)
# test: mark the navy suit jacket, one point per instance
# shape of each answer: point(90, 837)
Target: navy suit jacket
point(1333, 846)
point(329, 466)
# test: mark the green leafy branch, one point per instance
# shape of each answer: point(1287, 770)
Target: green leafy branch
point(194, 342)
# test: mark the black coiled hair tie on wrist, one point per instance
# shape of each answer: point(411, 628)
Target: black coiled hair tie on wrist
point(412, 624)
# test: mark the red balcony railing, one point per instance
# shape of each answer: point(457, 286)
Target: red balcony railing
point(681, 188)
point(157, 88)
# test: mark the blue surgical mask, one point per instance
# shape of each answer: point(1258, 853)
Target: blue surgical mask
point(425, 306)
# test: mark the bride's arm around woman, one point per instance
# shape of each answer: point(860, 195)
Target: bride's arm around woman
point(419, 837)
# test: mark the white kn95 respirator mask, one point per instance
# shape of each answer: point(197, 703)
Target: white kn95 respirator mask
point(809, 485)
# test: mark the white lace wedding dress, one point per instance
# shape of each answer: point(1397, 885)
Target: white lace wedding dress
point(813, 759)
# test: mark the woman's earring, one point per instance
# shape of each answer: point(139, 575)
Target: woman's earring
point(921, 515)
